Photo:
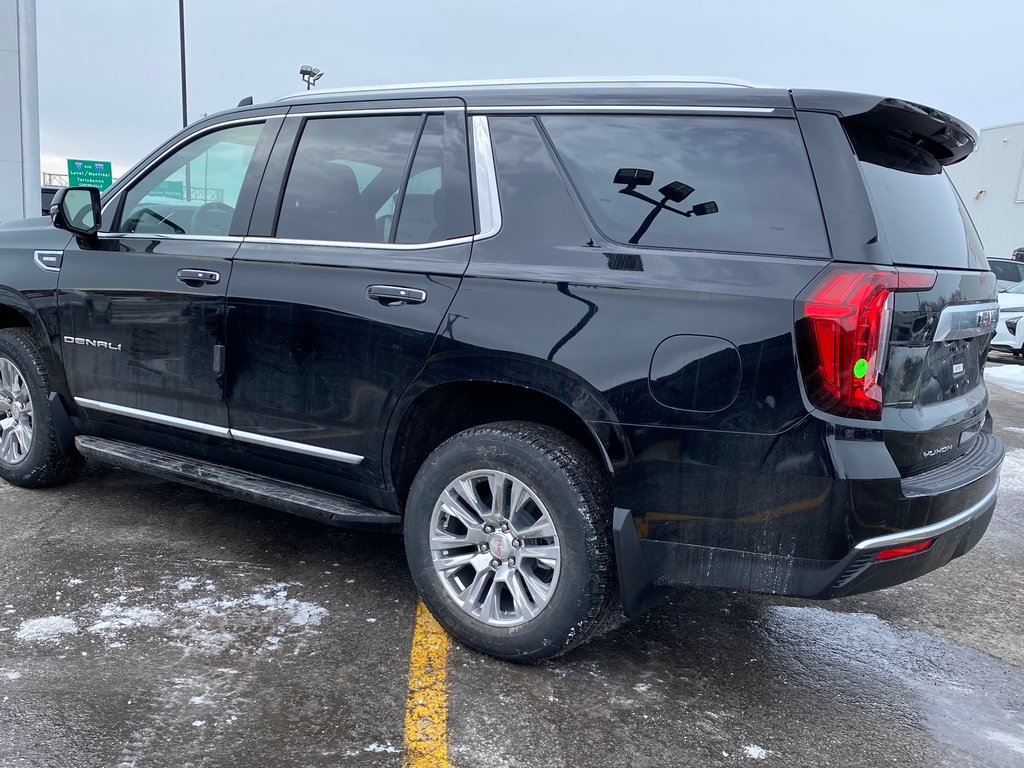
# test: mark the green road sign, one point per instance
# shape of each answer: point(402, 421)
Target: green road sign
point(172, 189)
point(90, 173)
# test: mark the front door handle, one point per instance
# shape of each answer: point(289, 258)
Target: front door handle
point(393, 295)
point(197, 277)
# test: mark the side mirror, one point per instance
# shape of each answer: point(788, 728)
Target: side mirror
point(77, 209)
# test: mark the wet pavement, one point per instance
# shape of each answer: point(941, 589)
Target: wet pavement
point(148, 624)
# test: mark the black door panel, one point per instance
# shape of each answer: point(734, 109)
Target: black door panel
point(159, 333)
point(313, 360)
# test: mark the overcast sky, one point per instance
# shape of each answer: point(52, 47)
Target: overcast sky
point(109, 69)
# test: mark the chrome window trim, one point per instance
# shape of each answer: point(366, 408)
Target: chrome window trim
point(616, 108)
point(935, 529)
point(143, 236)
point(486, 192)
point(288, 445)
point(37, 256)
point(487, 200)
point(217, 431)
point(158, 418)
point(368, 246)
point(342, 112)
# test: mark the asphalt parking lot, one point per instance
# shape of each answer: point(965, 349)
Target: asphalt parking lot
point(148, 624)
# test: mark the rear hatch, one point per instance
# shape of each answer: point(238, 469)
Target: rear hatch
point(920, 329)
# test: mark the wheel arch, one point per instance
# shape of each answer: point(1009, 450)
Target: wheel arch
point(436, 407)
point(17, 312)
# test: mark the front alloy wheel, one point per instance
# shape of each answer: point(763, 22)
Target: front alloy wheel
point(15, 414)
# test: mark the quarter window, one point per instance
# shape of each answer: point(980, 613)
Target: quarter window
point(195, 190)
point(701, 183)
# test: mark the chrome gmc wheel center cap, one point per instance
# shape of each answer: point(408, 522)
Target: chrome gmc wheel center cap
point(500, 545)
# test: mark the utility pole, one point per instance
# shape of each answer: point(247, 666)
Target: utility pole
point(184, 86)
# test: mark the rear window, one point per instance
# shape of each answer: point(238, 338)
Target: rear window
point(736, 184)
point(918, 212)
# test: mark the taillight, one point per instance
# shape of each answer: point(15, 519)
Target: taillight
point(842, 326)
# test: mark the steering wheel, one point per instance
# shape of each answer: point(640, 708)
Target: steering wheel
point(137, 217)
point(212, 219)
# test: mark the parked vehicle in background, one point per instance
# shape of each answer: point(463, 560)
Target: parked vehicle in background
point(1009, 336)
point(1008, 272)
point(574, 339)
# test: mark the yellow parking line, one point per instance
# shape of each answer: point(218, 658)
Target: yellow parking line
point(426, 707)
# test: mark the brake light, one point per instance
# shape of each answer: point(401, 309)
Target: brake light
point(906, 549)
point(842, 330)
point(843, 322)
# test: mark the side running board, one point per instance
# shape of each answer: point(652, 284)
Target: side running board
point(247, 486)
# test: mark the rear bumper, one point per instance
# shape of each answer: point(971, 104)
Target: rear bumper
point(648, 567)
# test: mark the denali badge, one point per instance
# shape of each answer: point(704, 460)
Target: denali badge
point(937, 451)
point(92, 343)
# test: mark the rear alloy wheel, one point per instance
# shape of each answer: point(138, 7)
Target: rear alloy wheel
point(495, 548)
point(30, 453)
point(508, 536)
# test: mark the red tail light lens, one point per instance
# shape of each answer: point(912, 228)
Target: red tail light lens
point(842, 325)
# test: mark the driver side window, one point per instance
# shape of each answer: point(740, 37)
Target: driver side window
point(194, 191)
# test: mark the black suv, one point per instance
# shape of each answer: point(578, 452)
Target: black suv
point(576, 340)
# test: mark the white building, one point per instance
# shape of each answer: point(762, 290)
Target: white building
point(19, 111)
point(991, 183)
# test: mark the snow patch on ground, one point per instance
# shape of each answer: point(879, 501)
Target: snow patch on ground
point(385, 747)
point(46, 630)
point(755, 752)
point(1011, 477)
point(1014, 743)
point(258, 620)
point(118, 617)
point(1008, 376)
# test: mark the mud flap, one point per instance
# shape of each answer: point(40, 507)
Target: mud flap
point(637, 592)
point(62, 426)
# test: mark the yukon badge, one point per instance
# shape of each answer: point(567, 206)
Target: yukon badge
point(92, 343)
point(937, 451)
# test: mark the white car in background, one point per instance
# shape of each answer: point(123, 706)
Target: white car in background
point(1009, 330)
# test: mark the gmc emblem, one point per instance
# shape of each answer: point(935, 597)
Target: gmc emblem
point(987, 318)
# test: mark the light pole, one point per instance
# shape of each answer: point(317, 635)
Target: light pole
point(184, 87)
point(310, 75)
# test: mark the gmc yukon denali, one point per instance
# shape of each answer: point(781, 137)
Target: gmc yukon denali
point(582, 342)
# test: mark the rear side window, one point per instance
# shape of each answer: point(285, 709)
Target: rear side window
point(701, 183)
point(381, 179)
point(916, 207)
point(345, 178)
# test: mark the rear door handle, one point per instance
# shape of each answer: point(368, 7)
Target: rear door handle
point(196, 277)
point(393, 295)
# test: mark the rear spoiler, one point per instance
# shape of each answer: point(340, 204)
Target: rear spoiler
point(943, 136)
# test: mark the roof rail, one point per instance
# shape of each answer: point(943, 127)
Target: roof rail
point(652, 80)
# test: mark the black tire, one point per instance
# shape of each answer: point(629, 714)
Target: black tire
point(44, 464)
point(570, 483)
